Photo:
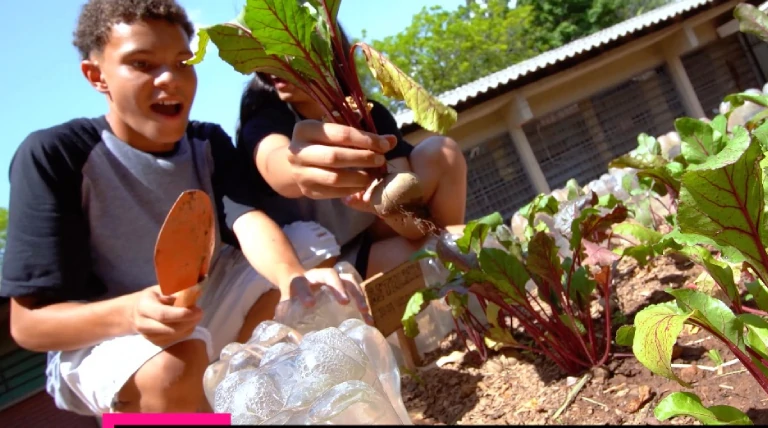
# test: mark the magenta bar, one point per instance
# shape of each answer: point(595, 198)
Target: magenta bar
point(109, 420)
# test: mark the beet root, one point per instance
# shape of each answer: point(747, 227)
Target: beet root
point(398, 193)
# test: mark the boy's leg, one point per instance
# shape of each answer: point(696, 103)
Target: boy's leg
point(131, 374)
point(170, 382)
point(262, 310)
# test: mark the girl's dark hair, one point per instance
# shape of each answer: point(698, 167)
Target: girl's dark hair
point(259, 95)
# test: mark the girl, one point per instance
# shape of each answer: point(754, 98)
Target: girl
point(312, 180)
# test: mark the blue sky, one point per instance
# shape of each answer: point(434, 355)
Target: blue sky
point(41, 84)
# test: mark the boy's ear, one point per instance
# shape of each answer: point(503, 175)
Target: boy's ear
point(92, 72)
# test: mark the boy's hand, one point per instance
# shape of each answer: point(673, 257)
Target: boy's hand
point(302, 288)
point(155, 317)
point(328, 160)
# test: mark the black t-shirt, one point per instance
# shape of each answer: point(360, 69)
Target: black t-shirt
point(342, 221)
point(86, 208)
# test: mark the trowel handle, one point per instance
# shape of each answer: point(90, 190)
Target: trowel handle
point(188, 297)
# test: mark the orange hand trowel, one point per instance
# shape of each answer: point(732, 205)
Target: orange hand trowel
point(185, 246)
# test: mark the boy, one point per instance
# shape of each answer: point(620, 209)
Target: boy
point(88, 198)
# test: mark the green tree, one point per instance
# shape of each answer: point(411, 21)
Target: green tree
point(562, 21)
point(444, 49)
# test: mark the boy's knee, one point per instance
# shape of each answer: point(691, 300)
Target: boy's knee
point(170, 382)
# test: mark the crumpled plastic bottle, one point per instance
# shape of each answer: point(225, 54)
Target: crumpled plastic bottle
point(321, 365)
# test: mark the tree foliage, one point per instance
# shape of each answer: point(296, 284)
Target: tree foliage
point(444, 49)
point(563, 21)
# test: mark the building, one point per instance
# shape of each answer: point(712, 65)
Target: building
point(565, 114)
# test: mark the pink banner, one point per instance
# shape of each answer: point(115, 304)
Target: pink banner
point(110, 420)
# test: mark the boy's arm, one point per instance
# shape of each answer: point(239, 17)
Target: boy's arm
point(47, 266)
point(47, 256)
point(69, 325)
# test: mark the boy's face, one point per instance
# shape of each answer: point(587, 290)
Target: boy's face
point(149, 88)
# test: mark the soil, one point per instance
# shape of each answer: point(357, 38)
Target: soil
point(454, 387)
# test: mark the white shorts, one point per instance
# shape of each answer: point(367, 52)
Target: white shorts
point(86, 381)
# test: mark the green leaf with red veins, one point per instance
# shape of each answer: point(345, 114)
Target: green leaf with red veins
point(689, 404)
point(736, 100)
point(237, 48)
point(544, 265)
point(325, 8)
point(722, 199)
point(476, 231)
point(752, 20)
point(428, 111)
point(656, 330)
point(581, 286)
point(711, 313)
point(652, 166)
point(415, 305)
point(590, 224)
point(698, 140)
point(757, 333)
point(719, 271)
point(284, 27)
point(504, 271)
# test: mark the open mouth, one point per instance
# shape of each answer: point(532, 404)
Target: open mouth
point(167, 108)
point(278, 82)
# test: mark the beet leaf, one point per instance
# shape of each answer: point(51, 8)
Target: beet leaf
point(752, 20)
point(689, 404)
point(722, 199)
point(296, 41)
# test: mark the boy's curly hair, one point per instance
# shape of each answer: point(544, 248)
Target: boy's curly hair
point(98, 16)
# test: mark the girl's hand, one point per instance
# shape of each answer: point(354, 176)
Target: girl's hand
point(329, 160)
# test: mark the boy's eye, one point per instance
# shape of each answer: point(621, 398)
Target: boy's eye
point(139, 64)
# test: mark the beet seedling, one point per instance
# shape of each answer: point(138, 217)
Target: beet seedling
point(551, 297)
point(300, 42)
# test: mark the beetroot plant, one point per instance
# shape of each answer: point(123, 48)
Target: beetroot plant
point(300, 42)
point(722, 202)
point(554, 299)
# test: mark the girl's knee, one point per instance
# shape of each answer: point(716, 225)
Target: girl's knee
point(171, 381)
point(439, 155)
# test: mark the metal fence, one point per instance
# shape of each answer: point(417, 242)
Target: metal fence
point(579, 141)
point(496, 179)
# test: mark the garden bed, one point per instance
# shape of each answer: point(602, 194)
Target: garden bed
point(453, 387)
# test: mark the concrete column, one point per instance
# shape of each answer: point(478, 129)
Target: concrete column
point(517, 113)
point(685, 88)
point(680, 77)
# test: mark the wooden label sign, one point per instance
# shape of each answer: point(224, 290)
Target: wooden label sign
point(388, 294)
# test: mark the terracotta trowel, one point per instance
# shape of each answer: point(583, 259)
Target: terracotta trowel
point(185, 246)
